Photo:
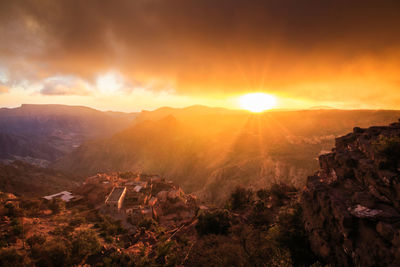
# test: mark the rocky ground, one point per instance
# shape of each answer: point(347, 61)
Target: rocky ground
point(351, 205)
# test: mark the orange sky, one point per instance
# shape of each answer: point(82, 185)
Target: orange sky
point(142, 54)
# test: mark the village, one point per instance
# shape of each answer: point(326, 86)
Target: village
point(132, 198)
point(119, 213)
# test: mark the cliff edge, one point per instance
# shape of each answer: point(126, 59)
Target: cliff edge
point(352, 204)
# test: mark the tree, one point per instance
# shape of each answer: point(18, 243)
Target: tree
point(85, 243)
point(217, 222)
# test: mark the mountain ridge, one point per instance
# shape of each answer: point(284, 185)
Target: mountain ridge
point(216, 152)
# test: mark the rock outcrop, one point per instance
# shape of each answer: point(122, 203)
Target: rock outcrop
point(352, 204)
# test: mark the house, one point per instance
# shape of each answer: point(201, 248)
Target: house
point(115, 200)
point(152, 201)
point(143, 184)
point(137, 188)
point(64, 195)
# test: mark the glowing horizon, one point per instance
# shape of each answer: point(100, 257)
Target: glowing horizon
point(136, 55)
point(257, 102)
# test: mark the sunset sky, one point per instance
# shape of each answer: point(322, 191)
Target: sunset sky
point(144, 54)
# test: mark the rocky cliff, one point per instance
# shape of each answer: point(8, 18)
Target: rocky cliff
point(352, 204)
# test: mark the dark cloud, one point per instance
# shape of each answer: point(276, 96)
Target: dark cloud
point(209, 45)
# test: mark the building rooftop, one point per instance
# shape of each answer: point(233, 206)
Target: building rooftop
point(137, 188)
point(64, 195)
point(116, 194)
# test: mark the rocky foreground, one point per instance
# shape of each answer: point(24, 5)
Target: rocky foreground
point(351, 205)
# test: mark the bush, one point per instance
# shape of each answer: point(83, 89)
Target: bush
point(292, 235)
point(85, 243)
point(31, 206)
point(165, 255)
point(36, 240)
point(147, 223)
point(16, 228)
point(56, 206)
point(219, 250)
point(217, 222)
point(13, 211)
point(108, 239)
point(262, 194)
point(260, 215)
point(58, 253)
point(54, 253)
point(389, 148)
point(77, 221)
point(119, 259)
point(11, 257)
point(240, 198)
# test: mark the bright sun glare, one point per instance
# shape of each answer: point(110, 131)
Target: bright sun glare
point(257, 102)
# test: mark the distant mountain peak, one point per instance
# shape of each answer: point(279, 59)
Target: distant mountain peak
point(321, 107)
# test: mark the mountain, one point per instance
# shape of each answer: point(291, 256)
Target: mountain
point(23, 179)
point(320, 107)
point(352, 204)
point(211, 151)
point(47, 132)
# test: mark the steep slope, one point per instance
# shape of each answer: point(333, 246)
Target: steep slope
point(352, 204)
point(50, 131)
point(210, 152)
point(13, 145)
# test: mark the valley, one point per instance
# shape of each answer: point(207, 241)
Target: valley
point(198, 186)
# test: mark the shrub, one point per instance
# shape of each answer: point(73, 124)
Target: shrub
point(13, 211)
point(165, 255)
point(219, 250)
point(53, 253)
point(217, 222)
point(56, 206)
point(67, 230)
point(11, 257)
point(85, 243)
point(262, 194)
point(240, 198)
point(389, 148)
point(108, 239)
point(16, 228)
point(31, 206)
point(260, 216)
point(147, 223)
point(119, 259)
point(58, 253)
point(77, 221)
point(278, 191)
point(38, 239)
point(292, 235)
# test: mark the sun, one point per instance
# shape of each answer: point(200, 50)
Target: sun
point(257, 102)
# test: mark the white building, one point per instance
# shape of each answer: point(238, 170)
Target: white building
point(64, 195)
point(116, 198)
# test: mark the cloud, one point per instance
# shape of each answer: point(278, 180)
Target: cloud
point(307, 49)
point(65, 86)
